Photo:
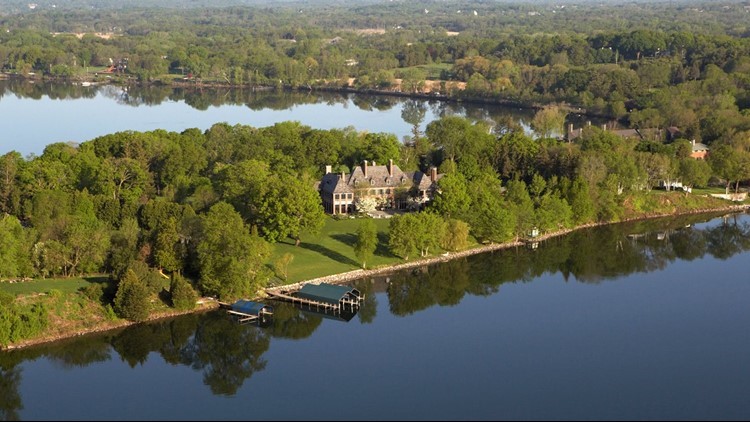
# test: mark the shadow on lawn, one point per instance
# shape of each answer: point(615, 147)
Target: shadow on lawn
point(347, 239)
point(381, 249)
point(329, 253)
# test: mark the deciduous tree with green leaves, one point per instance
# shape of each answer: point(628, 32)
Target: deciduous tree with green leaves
point(231, 257)
point(367, 241)
point(291, 207)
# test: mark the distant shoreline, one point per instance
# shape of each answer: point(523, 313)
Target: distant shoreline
point(207, 304)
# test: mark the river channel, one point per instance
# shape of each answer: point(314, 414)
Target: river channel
point(645, 320)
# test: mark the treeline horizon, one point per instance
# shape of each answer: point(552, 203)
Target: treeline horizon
point(656, 64)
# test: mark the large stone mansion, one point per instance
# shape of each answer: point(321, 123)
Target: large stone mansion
point(387, 183)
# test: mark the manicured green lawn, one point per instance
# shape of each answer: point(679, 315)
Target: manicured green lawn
point(65, 285)
point(332, 251)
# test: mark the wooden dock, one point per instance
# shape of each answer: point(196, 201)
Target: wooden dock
point(244, 318)
point(301, 301)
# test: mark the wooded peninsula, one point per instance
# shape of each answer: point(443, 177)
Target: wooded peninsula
point(145, 223)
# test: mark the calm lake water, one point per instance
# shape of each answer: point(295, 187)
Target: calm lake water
point(34, 115)
point(643, 320)
point(633, 321)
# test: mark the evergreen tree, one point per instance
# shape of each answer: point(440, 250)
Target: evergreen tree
point(183, 295)
point(132, 298)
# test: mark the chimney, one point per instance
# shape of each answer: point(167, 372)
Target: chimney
point(364, 168)
point(433, 173)
point(390, 168)
point(343, 176)
point(570, 128)
point(693, 142)
point(328, 169)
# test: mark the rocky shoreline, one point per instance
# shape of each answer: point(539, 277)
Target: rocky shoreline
point(208, 304)
point(358, 274)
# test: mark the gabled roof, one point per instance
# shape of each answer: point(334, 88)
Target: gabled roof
point(250, 308)
point(327, 293)
point(697, 147)
point(423, 181)
point(378, 176)
point(334, 183)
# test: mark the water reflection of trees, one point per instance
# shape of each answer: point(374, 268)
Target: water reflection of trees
point(10, 398)
point(227, 353)
point(589, 256)
point(201, 98)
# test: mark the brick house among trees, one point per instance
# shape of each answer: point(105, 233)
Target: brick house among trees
point(387, 184)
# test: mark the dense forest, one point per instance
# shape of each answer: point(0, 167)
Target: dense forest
point(206, 207)
point(684, 64)
point(198, 203)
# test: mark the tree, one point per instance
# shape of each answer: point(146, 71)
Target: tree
point(367, 204)
point(166, 253)
point(132, 298)
point(15, 257)
point(429, 231)
point(367, 241)
point(456, 236)
point(581, 204)
point(183, 295)
point(553, 213)
point(403, 232)
point(518, 198)
point(452, 198)
point(231, 258)
point(448, 133)
point(516, 155)
point(491, 218)
point(694, 172)
point(548, 120)
point(381, 147)
point(726, 163)
point(281, 265)
point(10, 191)
point(291, 207)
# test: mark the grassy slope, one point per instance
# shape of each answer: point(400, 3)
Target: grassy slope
point(332, 251)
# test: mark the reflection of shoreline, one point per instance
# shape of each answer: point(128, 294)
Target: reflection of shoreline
point(109, 326)
point(208, 305)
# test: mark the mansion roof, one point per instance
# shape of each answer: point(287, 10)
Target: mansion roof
point(375, 176)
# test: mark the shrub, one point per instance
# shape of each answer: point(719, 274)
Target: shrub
point(94, 292)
